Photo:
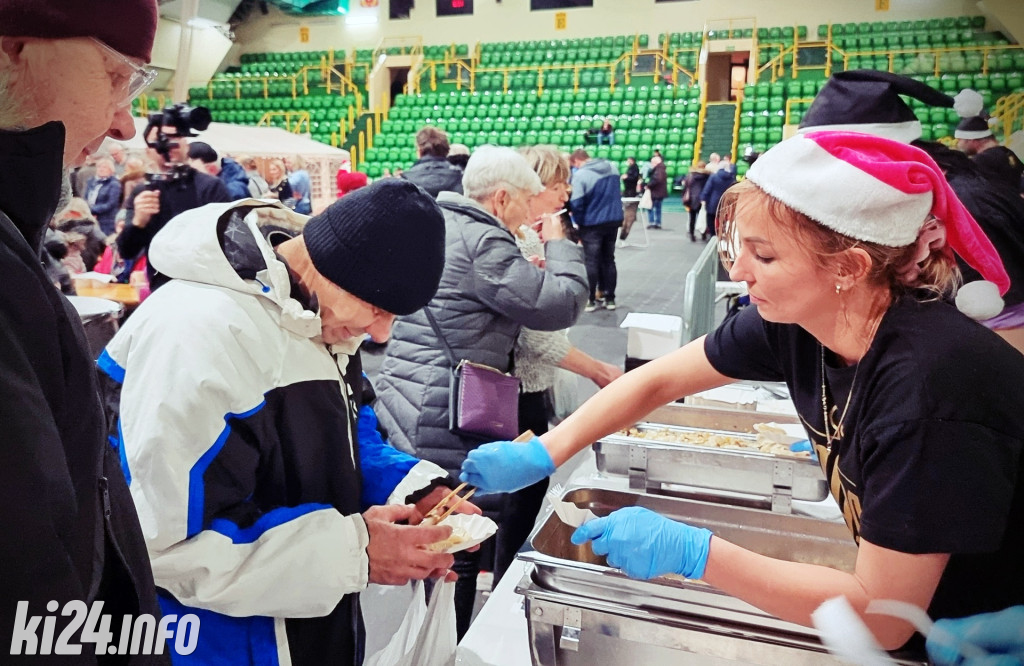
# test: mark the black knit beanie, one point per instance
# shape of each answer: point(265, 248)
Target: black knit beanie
point(383, 243)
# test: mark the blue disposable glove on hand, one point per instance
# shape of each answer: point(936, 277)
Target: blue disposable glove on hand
point(646, 545)
point(501, 467)
point(802, 446)
point(1000, 634)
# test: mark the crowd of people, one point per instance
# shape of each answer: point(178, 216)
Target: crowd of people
point(123, 198)
point(226, 457)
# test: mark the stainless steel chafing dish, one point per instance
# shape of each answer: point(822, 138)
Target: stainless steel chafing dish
point(581, 611)
point(654, 465)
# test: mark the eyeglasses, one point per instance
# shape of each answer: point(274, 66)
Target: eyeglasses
point(126, 87)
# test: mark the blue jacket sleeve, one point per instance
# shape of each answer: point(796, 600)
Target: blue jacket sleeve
point(109, 198)
point(382, 465)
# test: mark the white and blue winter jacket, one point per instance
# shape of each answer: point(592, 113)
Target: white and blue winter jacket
point(236, 427)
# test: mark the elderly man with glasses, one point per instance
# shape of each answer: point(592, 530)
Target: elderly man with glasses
point(68, 72)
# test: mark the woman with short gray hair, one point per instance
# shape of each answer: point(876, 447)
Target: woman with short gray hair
point(539, 355)
point(488, 291)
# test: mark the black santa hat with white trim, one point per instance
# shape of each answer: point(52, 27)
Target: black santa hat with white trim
point(975, 127)
point(868, 101)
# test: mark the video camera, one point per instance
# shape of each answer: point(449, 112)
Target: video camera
point(183, 119)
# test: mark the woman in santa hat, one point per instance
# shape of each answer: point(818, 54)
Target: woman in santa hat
point(915, 412)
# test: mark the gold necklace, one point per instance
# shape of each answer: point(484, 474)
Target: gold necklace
point(837, 431)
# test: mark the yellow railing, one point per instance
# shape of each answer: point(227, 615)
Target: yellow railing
point(1009, 111)
point(301, 118)
point(464, 71)
point(161, 99)
point(776, 64)
point(410, 45)
point(344, 84)
point(672, 63)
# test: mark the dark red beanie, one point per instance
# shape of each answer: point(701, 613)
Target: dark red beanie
point(127, 26)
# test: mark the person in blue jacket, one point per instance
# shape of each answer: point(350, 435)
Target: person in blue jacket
point(231, 173)
point(596, 207)
point(103, 193)
point(718, 182)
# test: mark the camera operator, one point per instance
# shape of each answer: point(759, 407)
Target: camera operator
point(177, 188)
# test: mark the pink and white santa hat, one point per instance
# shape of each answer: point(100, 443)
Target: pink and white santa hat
point(875, 190)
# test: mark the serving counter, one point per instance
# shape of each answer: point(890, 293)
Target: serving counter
point(580, 611)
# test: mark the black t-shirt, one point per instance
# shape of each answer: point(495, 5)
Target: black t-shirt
point(929, 454)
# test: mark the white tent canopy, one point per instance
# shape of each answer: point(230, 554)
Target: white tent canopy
point(228, 139)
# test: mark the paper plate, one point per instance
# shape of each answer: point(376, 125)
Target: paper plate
point(477, 529)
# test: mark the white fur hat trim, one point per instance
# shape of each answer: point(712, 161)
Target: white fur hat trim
point(806, 177)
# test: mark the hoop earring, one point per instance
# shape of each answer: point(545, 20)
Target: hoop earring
point(838, 289)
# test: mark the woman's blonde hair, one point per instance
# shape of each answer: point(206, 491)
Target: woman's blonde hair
point(828, 249)
point(279, 163)
point(550, 163)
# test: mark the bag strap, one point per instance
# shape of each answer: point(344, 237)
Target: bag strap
point(440, 335)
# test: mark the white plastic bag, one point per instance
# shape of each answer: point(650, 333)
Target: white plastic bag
point(702, 221)
point(647, 201)
point(427, 634)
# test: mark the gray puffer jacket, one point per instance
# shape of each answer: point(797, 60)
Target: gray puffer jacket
point(488, 291)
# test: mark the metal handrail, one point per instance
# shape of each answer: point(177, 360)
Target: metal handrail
point(1009, 111)
point(416, 47)
point(302, 117)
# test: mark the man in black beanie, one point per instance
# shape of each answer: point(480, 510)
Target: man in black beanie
point(996, 162)
point(234, 394)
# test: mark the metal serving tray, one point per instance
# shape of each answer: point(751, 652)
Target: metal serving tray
point(581, 612)
point(573, 631)
point(563, 567)
point(653, 464)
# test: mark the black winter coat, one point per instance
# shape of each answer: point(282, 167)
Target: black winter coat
point(435, 174)
point(657, 182)
point(70, 527)
point(693, 189)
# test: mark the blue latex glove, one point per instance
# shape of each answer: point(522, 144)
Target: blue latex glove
point(501, 467)
point(646, 545)
point(804, 445)
point(1000, 634)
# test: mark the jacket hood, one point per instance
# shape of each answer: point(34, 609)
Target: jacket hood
point(223, 245)
point(600, 166)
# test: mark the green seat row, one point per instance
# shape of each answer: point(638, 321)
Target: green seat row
point(621, 42)
point(908, 40)
point(291, 57)
point(639, 122)
point(541, 109)
point(276, 102)
point(550, 79)
point(621, 93)
point(892, 27)
point(556, 56)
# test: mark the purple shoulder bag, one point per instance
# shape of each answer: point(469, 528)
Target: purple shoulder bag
point(483, 402)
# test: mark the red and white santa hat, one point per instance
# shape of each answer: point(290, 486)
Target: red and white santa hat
point(875, 190)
